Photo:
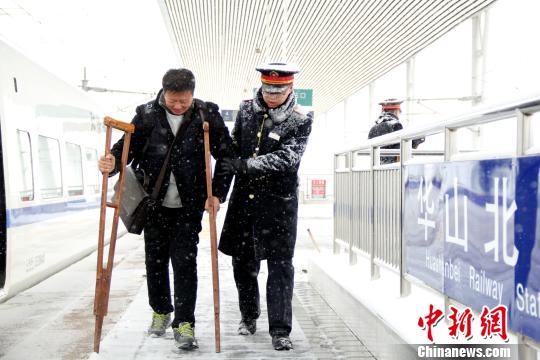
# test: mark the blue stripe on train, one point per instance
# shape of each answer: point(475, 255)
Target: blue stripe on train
point(34, 214)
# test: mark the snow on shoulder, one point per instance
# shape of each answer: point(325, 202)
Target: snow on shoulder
point(300, 110)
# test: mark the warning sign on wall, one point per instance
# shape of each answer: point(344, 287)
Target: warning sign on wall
point(318, 189)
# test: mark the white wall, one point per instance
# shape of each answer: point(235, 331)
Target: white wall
point(441, 78)
point(512, 51)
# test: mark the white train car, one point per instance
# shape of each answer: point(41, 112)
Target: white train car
point(51, 136)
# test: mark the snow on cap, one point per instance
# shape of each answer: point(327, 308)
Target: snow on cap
point(391, 104)
point(276, 76)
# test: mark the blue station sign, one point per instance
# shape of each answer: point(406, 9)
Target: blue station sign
point(472, 231)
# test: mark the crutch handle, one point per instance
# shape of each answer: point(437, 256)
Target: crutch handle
point(120, 125)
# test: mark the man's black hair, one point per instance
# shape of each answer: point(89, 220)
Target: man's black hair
point(178, 80)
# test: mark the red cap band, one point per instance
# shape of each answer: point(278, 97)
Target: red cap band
point(391, 107)
point(277, 80)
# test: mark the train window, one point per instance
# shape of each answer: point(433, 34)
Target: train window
point(50, 168)
point(74, 174)
point(92, 180)
point(26, 189)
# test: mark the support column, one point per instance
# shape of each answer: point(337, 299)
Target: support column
point(478, 62)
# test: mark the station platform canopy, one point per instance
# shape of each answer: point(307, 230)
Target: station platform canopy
point(340, 46)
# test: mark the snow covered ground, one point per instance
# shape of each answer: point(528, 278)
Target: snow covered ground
point(54, 319)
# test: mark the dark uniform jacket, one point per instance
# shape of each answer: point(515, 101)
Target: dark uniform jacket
point(265, 200)
point(385, 124)
point(153, 137)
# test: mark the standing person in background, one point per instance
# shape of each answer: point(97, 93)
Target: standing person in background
point(172, 232)
point(388, 122)
point(270, 135)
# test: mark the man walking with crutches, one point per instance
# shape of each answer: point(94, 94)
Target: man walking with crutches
point(174, 121)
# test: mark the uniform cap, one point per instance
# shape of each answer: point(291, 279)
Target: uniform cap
point(391, 104)
point(276, 76)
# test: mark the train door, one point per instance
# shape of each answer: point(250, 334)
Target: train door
point(3, 230)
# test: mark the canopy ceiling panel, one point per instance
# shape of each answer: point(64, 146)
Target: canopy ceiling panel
point(340, 46)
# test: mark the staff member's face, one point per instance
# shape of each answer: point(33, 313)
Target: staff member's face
point(273, 100)
point(178, 102)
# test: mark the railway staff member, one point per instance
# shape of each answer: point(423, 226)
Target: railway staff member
point(388, 122)
point(172, 234)
point(270, 135)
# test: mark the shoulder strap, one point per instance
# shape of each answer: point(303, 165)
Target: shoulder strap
point(161, 175)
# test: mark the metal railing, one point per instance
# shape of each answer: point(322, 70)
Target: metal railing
point(369, 203)
point(368, 196)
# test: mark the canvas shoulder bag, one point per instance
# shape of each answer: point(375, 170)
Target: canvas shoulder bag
point(137, 205)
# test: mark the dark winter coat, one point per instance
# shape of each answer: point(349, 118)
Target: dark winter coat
point(153, 137)
point(266, 198)
point(385, 124)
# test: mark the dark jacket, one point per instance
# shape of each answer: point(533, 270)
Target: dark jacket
point(385, 124)
point(266, 198)
point(153, 137)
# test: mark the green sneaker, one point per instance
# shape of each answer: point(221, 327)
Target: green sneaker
point(184, 336)
point(159, 325)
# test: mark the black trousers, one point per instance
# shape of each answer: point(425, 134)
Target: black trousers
point(279, 291)
point(172, 235)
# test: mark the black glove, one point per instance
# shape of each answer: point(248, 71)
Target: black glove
point(233, 167)
point(417, 142)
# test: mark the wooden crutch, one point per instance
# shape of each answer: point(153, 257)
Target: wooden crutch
point(213, 234)
point(103, 275)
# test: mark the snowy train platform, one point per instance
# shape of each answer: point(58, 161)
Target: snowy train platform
point(128, 338)
point(54, 320)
